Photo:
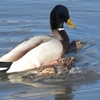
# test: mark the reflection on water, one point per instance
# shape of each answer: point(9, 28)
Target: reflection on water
point(22, 19)
point(42, 87)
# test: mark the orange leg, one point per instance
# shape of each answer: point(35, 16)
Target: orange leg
point(49, 63)
point(66, 69)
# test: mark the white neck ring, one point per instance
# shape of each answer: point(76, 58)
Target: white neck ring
point(60, 29)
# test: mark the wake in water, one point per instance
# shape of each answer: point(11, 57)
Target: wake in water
point(75, 76)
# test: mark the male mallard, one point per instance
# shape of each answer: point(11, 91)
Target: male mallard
point(40, 50)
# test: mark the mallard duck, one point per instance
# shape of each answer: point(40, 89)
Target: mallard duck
point(40, 50)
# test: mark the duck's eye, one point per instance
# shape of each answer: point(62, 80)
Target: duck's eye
point(65, 15)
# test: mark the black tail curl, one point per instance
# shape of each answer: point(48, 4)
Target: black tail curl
point(4, 66)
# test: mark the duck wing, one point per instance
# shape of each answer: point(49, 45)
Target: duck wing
point(24, 47)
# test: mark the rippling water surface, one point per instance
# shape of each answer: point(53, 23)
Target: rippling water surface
point(20, 19)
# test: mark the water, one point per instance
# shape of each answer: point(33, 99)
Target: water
point(20, 19)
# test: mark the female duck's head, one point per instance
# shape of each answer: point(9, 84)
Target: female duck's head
point(58, 16)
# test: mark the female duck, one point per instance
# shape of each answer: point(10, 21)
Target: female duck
point(40, 50)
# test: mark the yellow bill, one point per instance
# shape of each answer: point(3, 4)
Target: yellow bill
point(70, 23)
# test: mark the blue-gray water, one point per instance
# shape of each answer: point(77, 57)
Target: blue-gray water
point(20, 19)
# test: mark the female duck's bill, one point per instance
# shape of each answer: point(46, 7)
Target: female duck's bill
point(37, 50)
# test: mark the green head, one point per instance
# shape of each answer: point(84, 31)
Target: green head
point(58, 16)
